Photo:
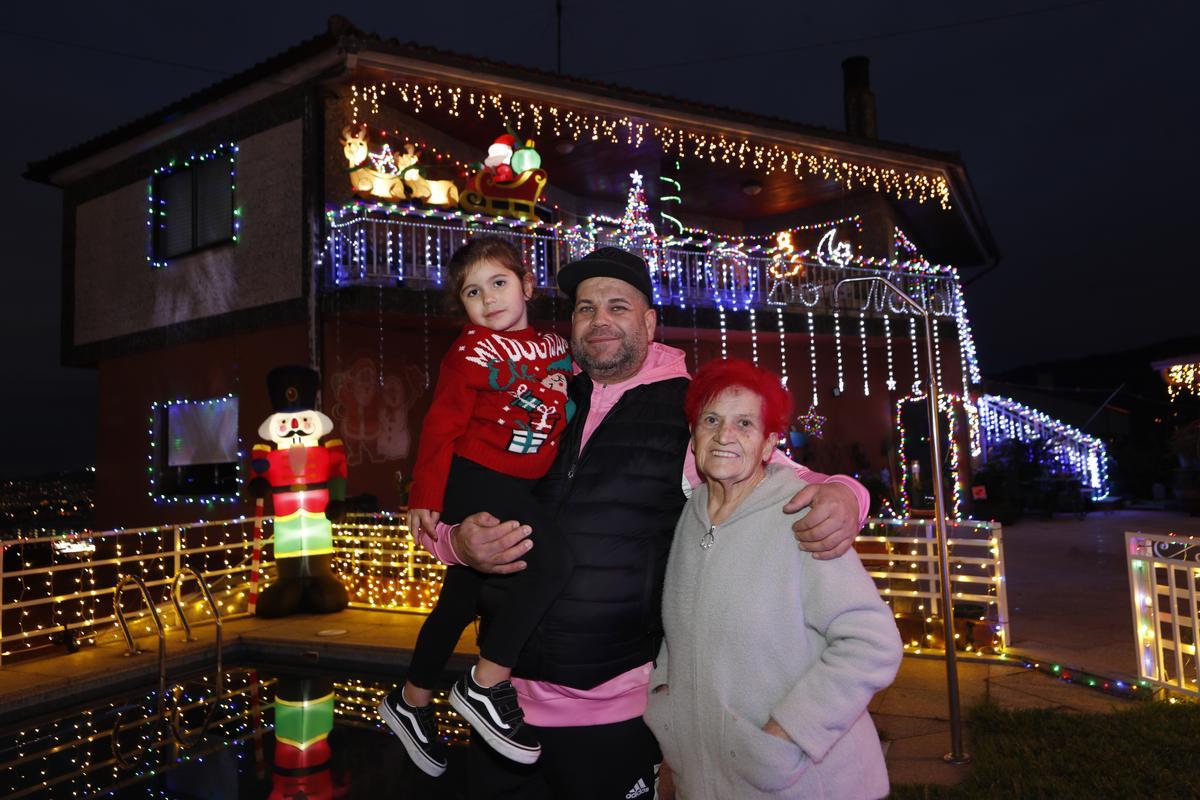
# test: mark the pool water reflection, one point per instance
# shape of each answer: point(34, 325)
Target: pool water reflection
point(256, 733)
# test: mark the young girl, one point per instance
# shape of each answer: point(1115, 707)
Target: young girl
point(492, 430)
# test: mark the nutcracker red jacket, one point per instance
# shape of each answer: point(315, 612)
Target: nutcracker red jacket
point(500, 401)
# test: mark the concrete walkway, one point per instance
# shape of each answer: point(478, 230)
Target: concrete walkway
point(1068, 600)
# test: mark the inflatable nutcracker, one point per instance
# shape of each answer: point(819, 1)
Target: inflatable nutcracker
point(307, 484)
point(303, 720)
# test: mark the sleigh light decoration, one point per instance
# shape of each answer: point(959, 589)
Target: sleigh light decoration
point(509, 182)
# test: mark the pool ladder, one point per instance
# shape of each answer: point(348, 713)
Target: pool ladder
point(173, 716)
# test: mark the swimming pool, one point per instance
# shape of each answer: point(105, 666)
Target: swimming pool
point(251, 733)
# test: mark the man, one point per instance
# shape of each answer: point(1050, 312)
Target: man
point(616, 487)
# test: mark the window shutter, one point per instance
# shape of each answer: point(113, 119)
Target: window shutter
point(174, 234)
point(214, 201)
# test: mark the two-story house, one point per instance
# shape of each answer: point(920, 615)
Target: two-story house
point(302, 211)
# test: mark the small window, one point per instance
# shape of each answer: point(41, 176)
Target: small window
point(195, 451)
point(192, 205)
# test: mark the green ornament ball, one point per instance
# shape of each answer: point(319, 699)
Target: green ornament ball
point(525, 159)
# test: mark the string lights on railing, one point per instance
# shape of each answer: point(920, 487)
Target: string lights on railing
point(1070, 449)
point(70, 601)
point(901, 556)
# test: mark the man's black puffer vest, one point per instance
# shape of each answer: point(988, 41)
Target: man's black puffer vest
point(616, 502)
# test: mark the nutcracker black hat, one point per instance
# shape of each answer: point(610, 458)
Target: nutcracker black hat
point(293, 388)
point(607, 262)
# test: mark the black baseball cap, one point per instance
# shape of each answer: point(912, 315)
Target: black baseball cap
point(607, 262)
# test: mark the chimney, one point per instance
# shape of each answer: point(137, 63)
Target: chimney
point(859, 102)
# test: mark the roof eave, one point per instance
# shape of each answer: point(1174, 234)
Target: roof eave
point(209, 104)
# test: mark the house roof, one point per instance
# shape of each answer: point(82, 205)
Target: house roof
point(341, 36)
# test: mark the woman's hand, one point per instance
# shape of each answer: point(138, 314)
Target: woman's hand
point(772, 727)
point(662, 688)
point(423, 519)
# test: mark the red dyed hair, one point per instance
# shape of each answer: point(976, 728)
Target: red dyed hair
point(717, 376)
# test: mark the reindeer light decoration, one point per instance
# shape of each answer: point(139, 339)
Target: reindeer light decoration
point(379, 179)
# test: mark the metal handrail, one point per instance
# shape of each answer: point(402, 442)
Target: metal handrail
point(174, 718)
point(134, 650)
point(176, 584)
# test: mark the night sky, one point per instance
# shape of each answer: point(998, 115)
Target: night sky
point(1077, 123)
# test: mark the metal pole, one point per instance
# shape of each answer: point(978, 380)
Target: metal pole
point(956, 754)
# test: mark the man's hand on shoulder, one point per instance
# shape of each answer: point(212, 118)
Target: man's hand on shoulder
point(829, 527)
point(489, 545)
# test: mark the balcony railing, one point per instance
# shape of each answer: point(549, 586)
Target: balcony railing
point(379, 249)
point(1164, 572)
point(58, 590)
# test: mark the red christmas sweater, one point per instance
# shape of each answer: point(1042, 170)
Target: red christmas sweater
point(500, 401)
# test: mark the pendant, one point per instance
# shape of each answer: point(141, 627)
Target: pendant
point(708, 540)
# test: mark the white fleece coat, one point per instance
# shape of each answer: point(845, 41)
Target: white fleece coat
point(758, 628)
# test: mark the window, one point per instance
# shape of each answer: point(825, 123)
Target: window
point(195, 451)
point(192, 205)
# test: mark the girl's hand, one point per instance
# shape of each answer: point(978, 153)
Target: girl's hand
point(423, 519)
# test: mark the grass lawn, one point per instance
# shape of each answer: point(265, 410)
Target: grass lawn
point(1148, 751)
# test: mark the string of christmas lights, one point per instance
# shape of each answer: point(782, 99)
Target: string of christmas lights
point(158, 461)
point(1071, 450)
point(716, 147)
point(1183, 379)
point(946, 403)
point(157, 212)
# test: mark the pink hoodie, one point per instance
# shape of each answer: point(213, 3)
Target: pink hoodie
point(623, 697)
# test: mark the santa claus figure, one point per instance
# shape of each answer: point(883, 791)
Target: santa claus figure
point(500, 155)
point(307, 484)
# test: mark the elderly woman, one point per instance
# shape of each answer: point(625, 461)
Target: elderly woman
point(771, 656)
